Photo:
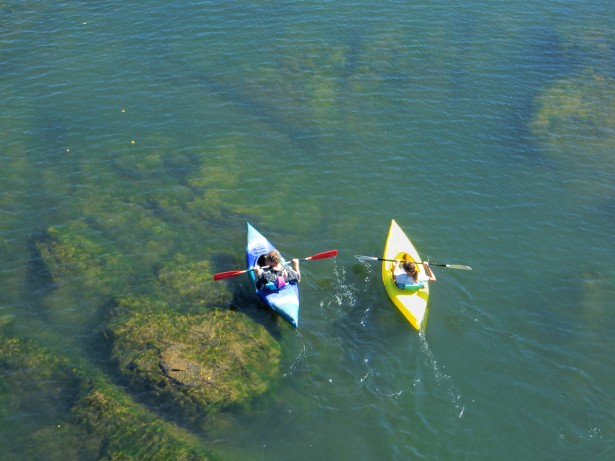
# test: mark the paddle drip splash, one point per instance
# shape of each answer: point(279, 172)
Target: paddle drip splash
point(300, 356)
point(342, 296)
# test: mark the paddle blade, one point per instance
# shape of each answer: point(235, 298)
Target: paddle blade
point(458, 266)
point(323, 255)
point(366, 258)
point(227, 274)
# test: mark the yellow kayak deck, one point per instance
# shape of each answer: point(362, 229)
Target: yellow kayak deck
point(412, 304)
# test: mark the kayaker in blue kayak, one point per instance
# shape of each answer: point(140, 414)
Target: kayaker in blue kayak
point(409, 277)
point(276, 275)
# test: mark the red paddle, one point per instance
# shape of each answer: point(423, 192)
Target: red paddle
point(229, 274)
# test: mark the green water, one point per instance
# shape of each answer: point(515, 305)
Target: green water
point(486, 131)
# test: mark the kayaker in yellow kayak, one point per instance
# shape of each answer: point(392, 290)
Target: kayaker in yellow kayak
point(276, 275)
point(406, 275)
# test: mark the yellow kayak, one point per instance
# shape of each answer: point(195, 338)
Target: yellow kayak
point(413, 304)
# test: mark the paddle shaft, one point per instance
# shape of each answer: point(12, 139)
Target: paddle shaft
point(415, 262)
point(450, 266)
point(229, 274)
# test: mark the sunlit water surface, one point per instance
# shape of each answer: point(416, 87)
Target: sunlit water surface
point(318, 122)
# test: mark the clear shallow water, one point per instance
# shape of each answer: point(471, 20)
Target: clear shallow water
point(318, 123)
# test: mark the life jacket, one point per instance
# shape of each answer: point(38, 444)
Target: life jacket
point(277, 285)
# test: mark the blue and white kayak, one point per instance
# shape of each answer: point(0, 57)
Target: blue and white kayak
point(284, 301)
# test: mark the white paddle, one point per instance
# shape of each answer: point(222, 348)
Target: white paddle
point(450, 266)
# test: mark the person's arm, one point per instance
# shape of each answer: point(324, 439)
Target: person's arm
point(394, 269)
point(258, 275)
point(432, 277)
point(296, 268)
point(259, 271)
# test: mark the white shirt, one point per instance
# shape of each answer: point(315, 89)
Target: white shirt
point(404, 278)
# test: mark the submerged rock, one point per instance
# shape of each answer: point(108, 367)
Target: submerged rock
point(574, 124)
point(36, 383)
point(190, 284)
point(197, 363)
point(76, 259)
point(69, 412)
point(68, 254)
point(124, 430)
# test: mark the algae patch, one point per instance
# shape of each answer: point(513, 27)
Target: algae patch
point(69, 411)
point(574, 124)
point(196, 362)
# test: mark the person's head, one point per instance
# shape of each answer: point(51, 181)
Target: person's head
point(410, 268)
point(274, 258)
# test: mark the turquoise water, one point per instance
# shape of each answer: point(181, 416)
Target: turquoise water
point(485, 130)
